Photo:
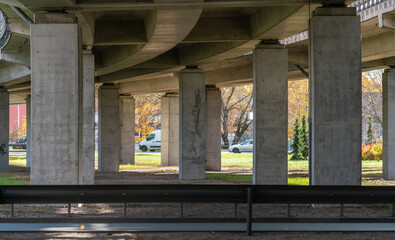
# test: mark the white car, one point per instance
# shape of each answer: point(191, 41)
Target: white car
point(152, 142)
point(246, 146)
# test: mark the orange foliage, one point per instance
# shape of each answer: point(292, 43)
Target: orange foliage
point(298, 102)
point(147, 109)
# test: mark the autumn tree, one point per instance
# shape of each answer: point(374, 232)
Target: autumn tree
point(236, 104)
point(147, 110)
point(369, 132)
point(372, 101)
point(298, 102)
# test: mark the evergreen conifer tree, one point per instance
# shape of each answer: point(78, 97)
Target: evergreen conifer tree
point(305, 138)
point(296, 144)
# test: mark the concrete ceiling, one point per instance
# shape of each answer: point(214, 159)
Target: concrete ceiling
point(150, 39)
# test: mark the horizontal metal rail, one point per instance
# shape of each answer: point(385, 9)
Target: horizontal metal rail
point(182, 193)
point(196, 194)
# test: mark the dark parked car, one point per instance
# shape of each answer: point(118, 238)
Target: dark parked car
point(21, 140)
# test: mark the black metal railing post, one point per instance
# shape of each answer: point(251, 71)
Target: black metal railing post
point(249, 213)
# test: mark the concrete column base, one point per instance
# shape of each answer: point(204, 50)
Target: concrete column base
point(213, 138)
point(88, 138)
point(270, 155)
point(388, 124)
point(28, 131)
point(56, 125)
point(4, 132)
point(335, 97)
point(170, 130)
point(109, 130)
point(192, 124)
point(127, 111)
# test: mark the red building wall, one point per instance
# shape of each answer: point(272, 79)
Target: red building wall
point(17, 115)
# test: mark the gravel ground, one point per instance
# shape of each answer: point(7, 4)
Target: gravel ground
point(205, 236)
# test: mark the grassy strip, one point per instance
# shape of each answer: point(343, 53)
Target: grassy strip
point(18, 161)
point(370, 169)
point(292, 180)
point(4, 180)
point(17, 150)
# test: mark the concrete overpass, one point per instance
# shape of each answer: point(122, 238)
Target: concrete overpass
point(58, 51)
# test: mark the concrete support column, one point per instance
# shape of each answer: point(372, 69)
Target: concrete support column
point(388, 124)
point(170, 133)
point(335, 96)
point(88, 139)
point(56, 107)
point(28, 130)
point(109, 130)
point(270, 66)
point(192, 124)
point(213, 137)
point(127, 111)
point(4, 132)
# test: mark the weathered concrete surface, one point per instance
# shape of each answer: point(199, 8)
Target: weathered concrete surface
point(192, 124)
point(270, 115)
point(55, 93)
point(170, 134)
point(28, 131)
point(88, 128)
point(388, 125)
point(127, 111)
point(4, 119)
point(109, 130)
point(213, 136)
point(335, 97)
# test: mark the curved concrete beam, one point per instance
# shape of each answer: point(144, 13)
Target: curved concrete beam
point(164, 30)
point(12, 72)
point(86, 21)
point(279, 22)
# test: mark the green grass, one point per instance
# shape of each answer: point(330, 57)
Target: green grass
point(230, 177)
point(17, 150)
point(147, 159)
point(236, 160)
point(292, 180)
point(4, 180)
point(298, 181)
point(18, 161)
point(370, 169)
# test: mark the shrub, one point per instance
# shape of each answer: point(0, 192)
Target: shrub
point(372, 151)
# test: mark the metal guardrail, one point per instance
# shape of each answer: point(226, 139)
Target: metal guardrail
point(237, 194)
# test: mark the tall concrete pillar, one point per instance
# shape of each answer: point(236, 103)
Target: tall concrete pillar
point(88, 138)
point(170, 134)
point(56, 108)
point(192, 124)
point(28, 130)
point(213, 137)
point(4, 131)
point(270, 66)
point(127, 111)
point(109, 130)
point(335, 96)
point(388, 124)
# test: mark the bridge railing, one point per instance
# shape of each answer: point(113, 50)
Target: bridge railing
point(184, 193)
point(365, 4)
